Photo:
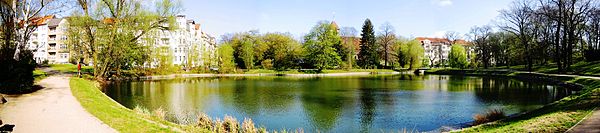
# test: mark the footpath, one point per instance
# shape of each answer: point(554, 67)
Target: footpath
point(49, 110)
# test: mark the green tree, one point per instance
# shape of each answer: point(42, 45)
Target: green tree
point(368, 56)
point(113, 31)
point(319, 45)
point(16, 59)
point(282, 49)
point(226, 59)
point(413, 54)
point(458, 56)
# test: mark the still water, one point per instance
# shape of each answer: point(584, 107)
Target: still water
point(337, 104)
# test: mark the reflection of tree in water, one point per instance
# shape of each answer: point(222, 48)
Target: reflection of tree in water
point(324, 101)
point(367, 108)
point(510, 91)
point(252, 96)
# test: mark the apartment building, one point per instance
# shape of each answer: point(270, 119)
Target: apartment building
point(438, 49)
point(47, 42)
point(188, 44)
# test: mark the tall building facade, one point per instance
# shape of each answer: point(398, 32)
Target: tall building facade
point(187, 45)
point(48, 41)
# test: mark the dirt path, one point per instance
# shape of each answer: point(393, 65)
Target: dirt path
point(51, 109)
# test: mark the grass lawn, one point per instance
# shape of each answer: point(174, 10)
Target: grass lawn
point(116, 116)
point(580, 68)
point(556, 117)
point(39, 75)
point(70, 68)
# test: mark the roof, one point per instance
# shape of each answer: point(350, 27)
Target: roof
point(435, 41)
point(108, 20)
point(38, 21)
point(197, 26)
point(54, 22)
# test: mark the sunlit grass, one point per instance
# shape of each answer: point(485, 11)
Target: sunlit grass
point(556, 117)
point(39, 75)
point(117, 116)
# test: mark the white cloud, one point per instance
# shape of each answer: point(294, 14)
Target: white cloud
point(442, 2)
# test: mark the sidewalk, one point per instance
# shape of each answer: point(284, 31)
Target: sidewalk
point(591, 124)
point(51, 109)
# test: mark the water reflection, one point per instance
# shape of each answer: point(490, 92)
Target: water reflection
point(340, 104)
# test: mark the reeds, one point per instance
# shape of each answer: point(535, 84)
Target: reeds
point(488, 116)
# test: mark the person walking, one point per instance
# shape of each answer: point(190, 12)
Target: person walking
point(79, 69)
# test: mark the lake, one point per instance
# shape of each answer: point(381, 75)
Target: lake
point(337, 104)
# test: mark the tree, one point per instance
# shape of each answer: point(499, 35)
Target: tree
point(283, 50)
point(386, 40)
point(350, 46)
point(19, 19)
point(458, 57)
point(593, 35)
point(113, 32)
point(400, 55)
point(226, 59)
point(319, 45)
point(452, 36)
point(368, 57)
point(518, 22)
point(414, 54)
point(480, 36)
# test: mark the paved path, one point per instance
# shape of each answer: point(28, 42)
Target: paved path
point(591, 124)
point(49, 110)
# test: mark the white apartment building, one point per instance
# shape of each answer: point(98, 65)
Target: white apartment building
point(438, 49)
point(185, 41)
point(47, 42)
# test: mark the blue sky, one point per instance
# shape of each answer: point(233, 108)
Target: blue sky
point(411, 18)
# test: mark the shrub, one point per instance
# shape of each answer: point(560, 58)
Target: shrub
point(205, 122)
point(160, 113)
point(267, 64)
point(489, 116)
point(230, 124)
point(16, 75)
point(248, 126)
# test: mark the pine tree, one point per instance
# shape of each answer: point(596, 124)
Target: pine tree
point(368, 57)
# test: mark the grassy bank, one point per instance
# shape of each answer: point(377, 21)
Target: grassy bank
point(558, 116)
point(117, 116)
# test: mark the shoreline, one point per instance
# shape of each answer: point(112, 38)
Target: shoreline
point(565, 81)
point(173, 76)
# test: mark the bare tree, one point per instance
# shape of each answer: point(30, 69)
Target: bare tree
point(452, 36)
point(480, 37)
point(348, 32)
point(518, 22)
point(386, 39)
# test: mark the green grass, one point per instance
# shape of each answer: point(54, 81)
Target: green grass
point(70, 68)
point(556, 117)
point(39, 75)
point(117, 116)
point(580, 68)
